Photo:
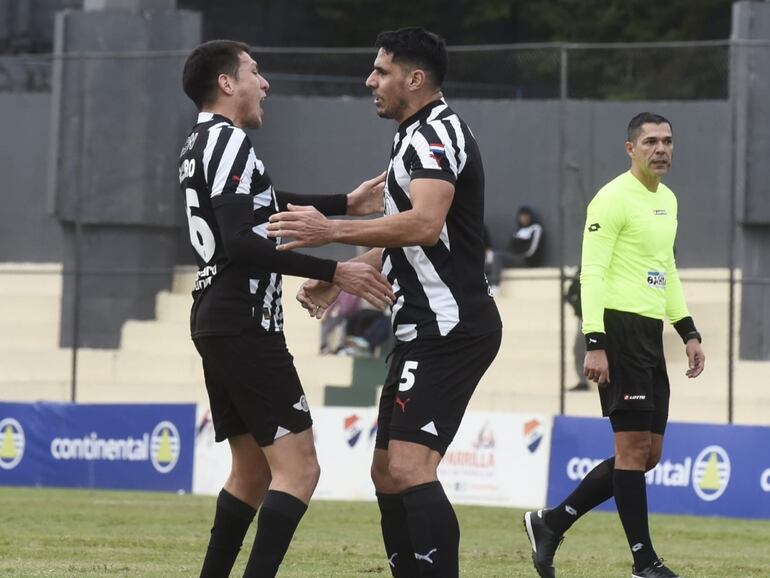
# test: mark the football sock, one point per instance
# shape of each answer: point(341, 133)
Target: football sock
point(395, 535)
point(595, 489)
point(278, 518)
point(631, 499)
point(231, 521)
point(434, 531)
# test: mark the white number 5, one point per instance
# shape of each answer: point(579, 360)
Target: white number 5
point(407, 377)
point(201, 237)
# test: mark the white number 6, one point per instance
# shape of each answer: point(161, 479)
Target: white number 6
point(407, 377)
point(201, 237)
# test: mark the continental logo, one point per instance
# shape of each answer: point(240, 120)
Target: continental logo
point(12, 442)
point(708, 474)
point(161, 448)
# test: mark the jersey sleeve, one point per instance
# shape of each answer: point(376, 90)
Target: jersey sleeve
point(231, 167)
point(604, 221)
point(676, 306)
point(433, 155)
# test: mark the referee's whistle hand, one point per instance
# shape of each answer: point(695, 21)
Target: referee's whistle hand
point(596, 368)
point(695, 357)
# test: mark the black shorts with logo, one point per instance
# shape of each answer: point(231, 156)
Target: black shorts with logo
point(253, 386)
point(429, 385)
point(638, 376)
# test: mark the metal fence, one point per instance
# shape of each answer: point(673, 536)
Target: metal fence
point(560, 74)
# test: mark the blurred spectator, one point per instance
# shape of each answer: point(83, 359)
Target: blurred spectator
point(572, 296)
point(337, 315)
point(527, 241)
point(492, 263)
point(366, 330)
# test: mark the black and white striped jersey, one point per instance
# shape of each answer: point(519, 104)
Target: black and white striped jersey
point(440, 290)
point(229, 199)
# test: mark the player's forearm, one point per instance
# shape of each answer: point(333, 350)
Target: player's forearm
point(328, 205)
point(372, 257)
point(402, 230)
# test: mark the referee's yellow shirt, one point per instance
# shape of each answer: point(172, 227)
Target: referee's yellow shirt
point(628, 254)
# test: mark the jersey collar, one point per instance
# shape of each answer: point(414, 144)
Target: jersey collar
point(422, 114)
point(209, 116)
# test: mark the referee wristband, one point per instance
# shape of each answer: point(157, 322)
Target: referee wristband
point(595, 340)
point(685, 327)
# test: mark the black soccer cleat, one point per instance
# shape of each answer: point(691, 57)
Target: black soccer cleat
point(655, 570)
point(544, 543)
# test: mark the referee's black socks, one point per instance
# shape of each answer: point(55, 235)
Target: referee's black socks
point(434, 531)
point(631, 499)
point(231, 521)
point(596, 488)
point(278, 518)
point(395, 535)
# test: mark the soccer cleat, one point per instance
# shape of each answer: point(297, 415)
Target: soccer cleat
point(655, 570)
point(544, 543)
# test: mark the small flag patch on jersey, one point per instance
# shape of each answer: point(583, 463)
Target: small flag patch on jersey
point(437, 150)
point(236, 178)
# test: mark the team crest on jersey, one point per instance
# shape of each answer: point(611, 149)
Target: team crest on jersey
point(437, 151)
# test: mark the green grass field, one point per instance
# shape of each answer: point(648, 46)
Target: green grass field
point(81, 533)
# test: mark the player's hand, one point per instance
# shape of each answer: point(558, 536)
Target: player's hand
point(365, 281)
point(596, 367)
point(304, 223)
point(317, 296)
point(695, 357)
point(368, 197)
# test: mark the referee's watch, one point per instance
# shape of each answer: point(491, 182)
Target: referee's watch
point(685, 327)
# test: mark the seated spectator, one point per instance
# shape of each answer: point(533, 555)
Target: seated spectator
point(366, 330)
point(527, 240)
point(337, 315)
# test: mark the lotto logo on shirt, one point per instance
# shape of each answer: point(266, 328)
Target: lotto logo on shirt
point(656, 279)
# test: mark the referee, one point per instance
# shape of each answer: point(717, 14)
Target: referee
point(629, 285)
point(445, 321)
point(256, 399)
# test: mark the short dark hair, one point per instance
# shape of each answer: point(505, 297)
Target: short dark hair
point(635, 125)
point(418, 47)
point(206, 63)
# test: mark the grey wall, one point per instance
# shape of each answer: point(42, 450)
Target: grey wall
point(519, 143)
point(348, 143)
point(27, 231)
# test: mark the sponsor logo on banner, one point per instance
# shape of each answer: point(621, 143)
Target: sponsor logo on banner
point(764, 480)
point(482, 454)
point(533, 434)
point(711, 473)
point(708, 474)
point(161, 447)
point(12, 442)
point(352, 429)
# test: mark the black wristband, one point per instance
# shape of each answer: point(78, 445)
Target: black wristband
point(685, 327)
point(595, 340)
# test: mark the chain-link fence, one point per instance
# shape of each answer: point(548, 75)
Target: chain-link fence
point(117, 230)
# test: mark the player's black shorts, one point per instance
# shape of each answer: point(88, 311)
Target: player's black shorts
point(429, 385)
point(253, 386)
point(638, 376)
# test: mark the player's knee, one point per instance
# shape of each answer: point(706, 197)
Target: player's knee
point(652, 460)
point(635, 454)
point(405, 473)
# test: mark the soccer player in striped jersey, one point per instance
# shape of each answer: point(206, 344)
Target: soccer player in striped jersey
point(257, 402)
point(445, 321)
point(629, 284)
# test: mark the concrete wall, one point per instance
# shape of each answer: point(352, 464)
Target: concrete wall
point(28, 232)
point(330, 144)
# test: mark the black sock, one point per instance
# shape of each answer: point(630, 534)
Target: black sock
point(434, 531)
point(631, 499)
point(595, 489)
point(231, 521)
point(395, 535)
point(278, 518)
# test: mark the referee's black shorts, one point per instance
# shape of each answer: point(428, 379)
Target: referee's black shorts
point(428, 386)
point(253, 386)
point(637, 396)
